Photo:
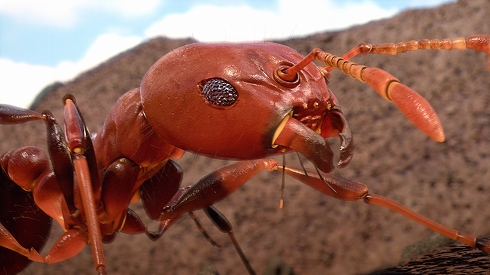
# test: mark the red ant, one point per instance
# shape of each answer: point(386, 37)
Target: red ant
point(244, 102)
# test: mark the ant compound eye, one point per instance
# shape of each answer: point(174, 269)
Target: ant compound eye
point(219, 92)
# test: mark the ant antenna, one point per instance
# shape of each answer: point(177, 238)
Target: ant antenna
point(283, 184)
point(302, 164)
point(288, 76)
point(324, 181)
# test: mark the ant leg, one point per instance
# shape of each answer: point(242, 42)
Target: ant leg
point(203, 230)
point(77, 136)
point(225, 226)
point(211, 189)
point(348, 190)
point(473, 241)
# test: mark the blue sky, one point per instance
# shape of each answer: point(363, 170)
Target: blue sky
point(54, 40)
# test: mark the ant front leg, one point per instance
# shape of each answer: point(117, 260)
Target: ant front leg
point(348, 190)
point(210, 189)
point(155, 193)
point(214, 187)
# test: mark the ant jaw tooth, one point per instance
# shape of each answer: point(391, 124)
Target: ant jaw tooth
point(297, 136)
point(280, 128)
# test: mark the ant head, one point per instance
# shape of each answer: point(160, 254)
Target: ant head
point(228, 100)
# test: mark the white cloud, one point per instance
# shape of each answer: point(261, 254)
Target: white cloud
point(130, 8)
point(65, 13)
point(53, 12)
point(18, 80)
point(21, 81)
point(213, 23)
point(427, 3)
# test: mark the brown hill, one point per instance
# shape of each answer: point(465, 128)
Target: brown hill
point(316, 234)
